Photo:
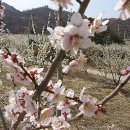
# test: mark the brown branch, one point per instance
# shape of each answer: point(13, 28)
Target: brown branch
point(83, 6)
point(79, 1)
point(20, 118)
point(41, 127)
point(59, 23)
point(49, 74)
point(115, 92)
point(77, 117)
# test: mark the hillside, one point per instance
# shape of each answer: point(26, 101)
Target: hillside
point(18, 22)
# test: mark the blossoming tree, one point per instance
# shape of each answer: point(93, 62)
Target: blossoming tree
point(26, 105)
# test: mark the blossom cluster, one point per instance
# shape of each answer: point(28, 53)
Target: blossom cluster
point(77, 64)
point(14, 63)
point(55, 96)
point(77, 33)
point(59, 98)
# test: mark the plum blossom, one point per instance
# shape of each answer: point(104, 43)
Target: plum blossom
point(15, 59)
point(65, 103)
point(58, 93)
point(56, 37)
point(124, 7)
point(59, 123)
point(77, 64)
point(73, 36)
point(12, 112)
point(88, 107)
point(12, 61)
point(64, 3)
point(35, 72)
point(66, 112)
point(126, 71)
point(22, 99)
point(96, 25)
point(30, 105)
point(76, 34)
point(19, 76)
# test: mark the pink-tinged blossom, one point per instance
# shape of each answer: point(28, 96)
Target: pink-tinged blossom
point(65, 103)
point(64, 3)
point(24, 100)
point(30, 105)
point(58, 92)
point(35, 72)
point(56, 36)
point(126, 71)
point(12, 112)
point(59, 123)
point(12, 61)
point(77, 64)
point(20, 77)
point(76, 35)
point(66, 113)
point(96, 25)
point(124, 7)
point(15, 59)
point(73, 36)
point(88, 107)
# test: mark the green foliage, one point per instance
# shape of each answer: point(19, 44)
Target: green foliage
point(108, 37)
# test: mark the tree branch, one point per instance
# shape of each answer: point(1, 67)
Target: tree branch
point(20, 118)
point(49, 74)
point(79, 1)
point(83, 6)
point(115, 92)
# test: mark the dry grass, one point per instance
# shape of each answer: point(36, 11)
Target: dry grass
point(118, 109)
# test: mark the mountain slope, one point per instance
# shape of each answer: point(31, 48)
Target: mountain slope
point(18, 22)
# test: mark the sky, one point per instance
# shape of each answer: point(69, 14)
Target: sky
point(95, 7)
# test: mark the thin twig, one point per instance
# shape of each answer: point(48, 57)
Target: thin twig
point(20, 118)
point(115, 92)
point(41, 127)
